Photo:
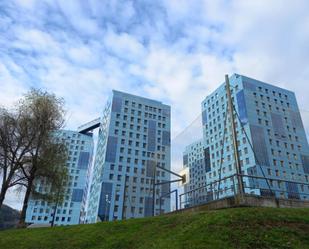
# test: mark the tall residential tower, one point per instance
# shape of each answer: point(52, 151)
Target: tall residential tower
point(80, 149)
point(134, 137)
point(194, 159)
point(271, 140)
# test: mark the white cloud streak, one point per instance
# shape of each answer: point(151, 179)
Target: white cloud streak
point(174, 51)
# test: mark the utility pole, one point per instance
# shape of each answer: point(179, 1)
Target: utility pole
point(124, 197)
point(154, 189)
point(234, 137)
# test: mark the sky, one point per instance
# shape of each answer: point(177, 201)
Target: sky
point(174, 51)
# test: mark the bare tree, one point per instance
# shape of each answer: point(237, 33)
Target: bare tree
point(15, 143)
point(46, 114)
point(52, 175)
point(29, 152)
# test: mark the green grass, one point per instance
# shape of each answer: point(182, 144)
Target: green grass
point(228, 228)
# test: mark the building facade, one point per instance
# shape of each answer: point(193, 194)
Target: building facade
point(271, 141)
point(194, 159)
point(80, 149)
point(134, 137)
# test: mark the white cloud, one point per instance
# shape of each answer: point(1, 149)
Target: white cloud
point(14, 199)
point(174, 51)
point(27, 4)
point(124, 46)
point(76, 15)
point(11, 89)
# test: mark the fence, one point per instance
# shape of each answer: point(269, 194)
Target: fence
point(253, 185)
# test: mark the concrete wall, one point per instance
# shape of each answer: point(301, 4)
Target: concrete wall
point(248, 201)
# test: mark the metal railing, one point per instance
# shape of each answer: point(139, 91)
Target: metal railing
point(253, 185)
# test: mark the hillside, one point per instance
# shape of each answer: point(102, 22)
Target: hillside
point(8, 217)
point(228, 228)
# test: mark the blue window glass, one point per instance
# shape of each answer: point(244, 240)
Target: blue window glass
point(242, 109)
point(152, 135)
point(116, 104)
point(166, 138)
point(296, 120)
point(252, 172)
point(111, 149)
point(166, 112)
point(259, 145)
point(165, 188)
point(278, 124)
point(209, 196)
point(204, 117)
point(150, 168)
point(292, 190)
point(305, 161)
point(77, 195)
point(207, 159)
point(267, 192)
point(185, 159)
point(105, 199)
point(148, 207)
point(249, 86)
point(83, 160)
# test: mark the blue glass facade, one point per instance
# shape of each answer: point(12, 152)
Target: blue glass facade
point(196, 158)
point(134, 137)
point(80, 149)
point(271, 119)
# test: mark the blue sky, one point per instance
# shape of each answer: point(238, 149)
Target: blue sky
point(174, 51)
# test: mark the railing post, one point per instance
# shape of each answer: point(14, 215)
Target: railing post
point(176, 199)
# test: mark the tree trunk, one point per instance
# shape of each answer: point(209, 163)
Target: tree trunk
point(4, 186)
point(25, 204)
point(2, 195)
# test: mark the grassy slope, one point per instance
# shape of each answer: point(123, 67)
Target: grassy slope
point(229, 228)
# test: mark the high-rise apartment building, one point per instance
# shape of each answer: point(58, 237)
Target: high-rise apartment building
point(80, 149)
point(194, 159)
point(134, 138)
point(268, 117)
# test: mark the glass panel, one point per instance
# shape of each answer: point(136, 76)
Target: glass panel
point(116, 105)
point(259, 145)
point(77, 195)
point(166, 138)
point(105, 198)
point(111, 149)
point(242, 109)
point(152, 135)
point(83, 160)
point(278, 124)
